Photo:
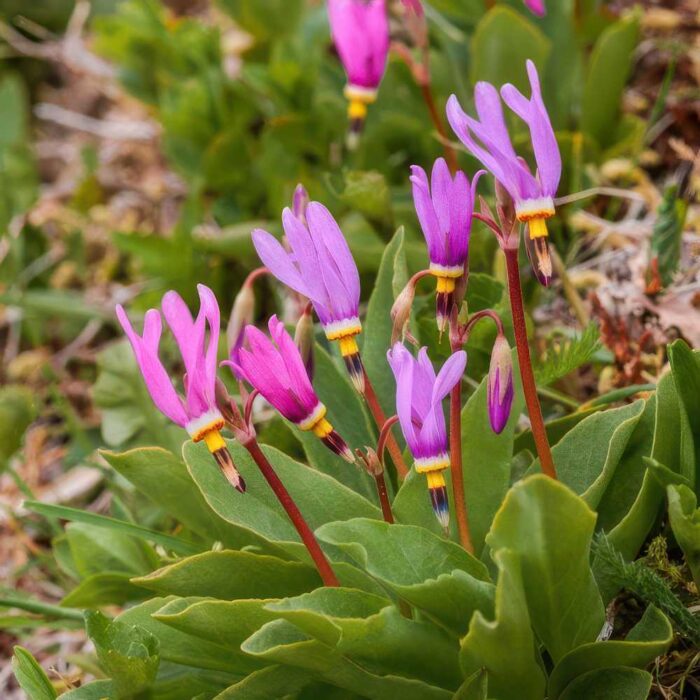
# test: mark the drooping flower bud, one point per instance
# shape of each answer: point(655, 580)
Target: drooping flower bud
point(242, 313)
point(500, 384)
point(299, 202)
point(536, 7)
point(304, 340)
point(401, 313)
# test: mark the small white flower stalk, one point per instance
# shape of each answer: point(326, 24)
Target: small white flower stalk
point(500, 384)
point(304, 339)
point(242, 313)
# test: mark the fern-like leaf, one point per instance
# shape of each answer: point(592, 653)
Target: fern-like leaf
point(564, 355)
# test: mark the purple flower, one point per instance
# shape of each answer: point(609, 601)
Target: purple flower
point(275, 368)
point(533, 194)
point(321, 267)
point(444, 208)
point(360, 31)
point(300, 201)
point(536, 7)
point(419, 395)
point(499, 389)
point(198, 412)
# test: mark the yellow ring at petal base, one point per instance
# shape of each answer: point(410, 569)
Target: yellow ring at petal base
point(348, 345)
point(537, 228)
point(445, 285)
point(357, 109)
point(213, 440)
point(435, 479)
point(322, 429)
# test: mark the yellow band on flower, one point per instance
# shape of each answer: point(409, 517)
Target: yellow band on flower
point(322, 429)
point(537, 228)
point(213, 440)
point(436, 480)
point(348, 345)
point(357, 109)
point(445, 285)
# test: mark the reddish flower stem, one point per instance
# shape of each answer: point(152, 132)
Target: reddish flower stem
point(450, 155)
point(529, 387)
point(384, 498)
point(380, 420)
point(307, 536)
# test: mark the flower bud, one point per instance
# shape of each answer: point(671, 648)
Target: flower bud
point(304, 340)
point(401, 313)
point(242, 314)
point(370, 461)
point(299, 202)
point(500, 384)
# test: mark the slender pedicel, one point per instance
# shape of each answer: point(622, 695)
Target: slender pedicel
point(197, 413)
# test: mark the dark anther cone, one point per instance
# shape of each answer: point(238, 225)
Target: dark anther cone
point(225, 461)
point(441, 507)
point(336, 444)
point(353, 364)
point(443, 308)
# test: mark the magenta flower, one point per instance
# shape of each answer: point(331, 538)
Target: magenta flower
point(536, 7)
point(419, 395)
point(360, 31)
point(533, 194)
point(197, 412)
point(275, 368)
point(444, 208)
point(300, 201)
point(321, 267)
point(499, 389)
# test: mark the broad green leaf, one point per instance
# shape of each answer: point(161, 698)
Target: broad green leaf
point(127, 653)
point(230, 575)
point(391, 279)
point(549, 528)
point(366, 629)
point(269, 683)
point(180, 647)
point(517, 675)
point(502, 42)
point(30, 676)
point(106, 588)
point(620, 683)
point(428, 571)
point(17, 411)
point(587, 456)
point(347, 415)
point(163, 478)
point(97, 690)
point(281, 642)
point(319, 497)
point(649, 638)
point(684, 516)
point(368, 192)
point(606, 77)
point(685, 364)
point(556, 430)
point(474, 688)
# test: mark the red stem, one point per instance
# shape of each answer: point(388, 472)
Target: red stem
point(307, 536)
point(380, 420)
point(529, 387)
point(384, 498)
point(450, 155)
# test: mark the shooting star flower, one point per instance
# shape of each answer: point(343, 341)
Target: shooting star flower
point(499, 388)
point(275, 368)
point(419, 395)
point(536, 7)
point(444, 208)
point(533, 194)
point(197, 413)
point(321, 267)
point(360, 31)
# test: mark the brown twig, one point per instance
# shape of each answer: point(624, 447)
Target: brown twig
point(525, 363)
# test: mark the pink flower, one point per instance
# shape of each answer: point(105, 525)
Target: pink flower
point(536, 7)
point(321, 267)
point(360, 31)
point(419, 395)
point(275, 368)
point(197, 412)
point(444, 208)
point(500, 384)
point(533, 194)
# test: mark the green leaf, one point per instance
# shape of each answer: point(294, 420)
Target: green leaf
point(97, 690)
point(282, 642)
point(667, 233)
point(649, 638)
point(391, 279)
point(428, 571)
point(684, 516)
point(230, 575)
point(17, 411)
point(563, 355)
point(368, 193)
point(128, 654)
point(502, 42)
point(549, 528)
point(163, 478)
point(373, 633)
point(106, 588)
point(30, 676)
point(269, 683)
point(474, 688)
point(175, 544)
point(266, 20)
point(347, 415)
point(619, 683)
point(606, 77)
point(516, 675)
point(319, 497)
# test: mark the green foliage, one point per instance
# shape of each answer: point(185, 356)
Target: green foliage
point(684, 516)
point(666, 236)
point(17, 411)
point(30, 676)
point(563, 355)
